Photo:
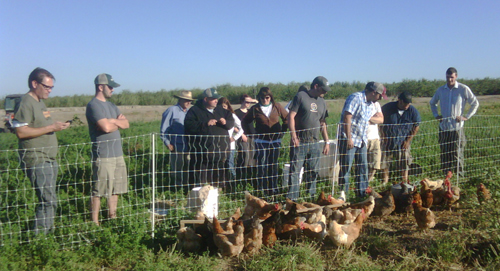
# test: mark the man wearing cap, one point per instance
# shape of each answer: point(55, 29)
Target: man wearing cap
point(108, 166)
point(401, 124)
point(452, 99)
point(306, 119)
point(172, 134)
point(35, 130)
point(209, 124)
point(353, 137)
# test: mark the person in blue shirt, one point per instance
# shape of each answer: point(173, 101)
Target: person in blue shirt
point(172, 134)
point(401, 124)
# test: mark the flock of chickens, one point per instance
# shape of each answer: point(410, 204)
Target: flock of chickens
point(263, 223)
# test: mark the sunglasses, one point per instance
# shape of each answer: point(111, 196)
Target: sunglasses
point(266, 98)
point(47, 87)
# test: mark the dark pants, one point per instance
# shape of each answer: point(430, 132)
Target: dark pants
point(307, 155)
point(245, 161)
point(43, 178)
point(452, 144)
point(347, 158)
point(267, 166)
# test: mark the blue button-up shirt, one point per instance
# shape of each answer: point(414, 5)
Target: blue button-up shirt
point(361, 111)
point(172, 127)
point(397, 127)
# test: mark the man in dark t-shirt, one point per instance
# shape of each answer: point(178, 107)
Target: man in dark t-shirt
point(305, 120)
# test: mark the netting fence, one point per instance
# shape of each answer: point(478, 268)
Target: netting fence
point(159, 180)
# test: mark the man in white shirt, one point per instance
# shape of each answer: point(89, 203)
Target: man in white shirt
point(373, 147)
point(452, 99)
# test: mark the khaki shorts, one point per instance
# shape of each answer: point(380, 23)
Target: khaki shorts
point(109, 177)
point(374, 153)
point(396, 160)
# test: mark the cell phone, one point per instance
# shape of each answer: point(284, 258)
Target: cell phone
point(69, 121)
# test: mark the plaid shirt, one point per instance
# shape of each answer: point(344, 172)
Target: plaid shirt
point(361, 111)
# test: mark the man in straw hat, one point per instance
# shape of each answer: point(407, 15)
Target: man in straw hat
point(172, 134)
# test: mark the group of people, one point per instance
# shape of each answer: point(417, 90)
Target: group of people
point(210, 131)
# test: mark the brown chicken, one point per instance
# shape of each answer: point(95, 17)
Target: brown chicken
point(439, 193)
point(324, 201)
point(292, 230)
point(452, 195)
point(188, 240)
point(226, 228)
point(384, 206)
point(403, 199)
point(207, 235)
point(373, 193)
point(426, 195)
point(289, 203)
point(424, 216)
point(344, 235)
point(483, 194)
point(257, 206)
point(229, 245)
point(269, 230)
point(253, 239)
point(316, 231)
point(367, 205)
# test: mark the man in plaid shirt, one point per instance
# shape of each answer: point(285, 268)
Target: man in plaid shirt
point(353, 137)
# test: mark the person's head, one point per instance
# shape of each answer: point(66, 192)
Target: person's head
point(224, 102)
point(451, 77)
point(210, 98)
point(246, 101)
point(375, 91)
point(404, 100)
point(185, 98)
point(105, 84)
point(265, 96)
point(41, 82)
point(319, 87)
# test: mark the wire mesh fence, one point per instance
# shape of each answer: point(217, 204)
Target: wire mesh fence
point(159, 180)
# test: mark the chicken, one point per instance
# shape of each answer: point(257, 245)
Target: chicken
point(269, 230)
point(439, 193)
point(403, 199)
point(483, 194)
point(344, 235)
point(384, 206)
point(226, 228)
point(316, 231)
point(310, 205)
point(188, 240)
point(260, 207)
point(433, 184)
point(373, 193)
point(289, 203)
point(367, 205)
point(206, 232)
point(452, 195)
point(426, 195)
point(292, 230)
point(230, 245)
point(324, 201)
point(253, 239)
point(289, 217)
point(313, 215)
point(424, 216)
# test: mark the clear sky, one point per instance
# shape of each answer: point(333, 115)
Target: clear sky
point(154, 45)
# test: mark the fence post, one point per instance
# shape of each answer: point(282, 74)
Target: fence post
point(335, 155)
point(153, 185)
point(459, 150)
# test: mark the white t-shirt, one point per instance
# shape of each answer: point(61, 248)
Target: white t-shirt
point(372, 131)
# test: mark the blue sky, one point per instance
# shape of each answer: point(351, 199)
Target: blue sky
point(153, 45)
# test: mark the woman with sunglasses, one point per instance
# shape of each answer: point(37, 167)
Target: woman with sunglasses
point(266, 116)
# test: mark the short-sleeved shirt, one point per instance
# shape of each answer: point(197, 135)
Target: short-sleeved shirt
point(310, 112)
point(105, 145)
point(361, 112)
point(398, 125)
point(372, 132)
point(34, 151)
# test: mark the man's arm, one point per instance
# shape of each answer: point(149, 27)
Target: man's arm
point(378, 118)
point(433, 103)
point(407, 142)
point(26, 132)
point(111, 125)
point(291, 126)
point(347, 128)
point(474, 104)
point(324, 133)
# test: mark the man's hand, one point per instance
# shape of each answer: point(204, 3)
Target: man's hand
point(231, 139)
point(212, 122)
point(406, 145)
point(350, 144)
point(222, 121)
point(58, 126)
point(121, 117)
point(244, 138)
point(295, 140)
point(460, 119)
point(326, 148)
point(171, 147)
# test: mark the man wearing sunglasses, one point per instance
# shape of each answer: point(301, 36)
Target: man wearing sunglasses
point(36, 129)
point(109, 172)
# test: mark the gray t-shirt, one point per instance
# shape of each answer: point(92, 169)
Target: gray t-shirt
point(310, 111)
point(37, 150)
point(105, 145)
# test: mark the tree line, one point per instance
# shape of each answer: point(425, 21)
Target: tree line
point(281, 92)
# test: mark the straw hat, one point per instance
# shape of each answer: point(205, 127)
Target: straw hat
point(186, 95)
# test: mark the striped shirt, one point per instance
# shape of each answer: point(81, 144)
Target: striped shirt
point(361, 111)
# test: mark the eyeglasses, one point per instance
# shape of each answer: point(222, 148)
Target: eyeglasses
point(110, 87)
point(266, 98)
point(46, 87)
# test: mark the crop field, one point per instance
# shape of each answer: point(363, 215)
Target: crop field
point(465, 238)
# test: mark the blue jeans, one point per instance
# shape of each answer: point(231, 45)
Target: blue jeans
point(346, 159)
point(267, 166)
point(230, 162)
point(43, 178)
point(307, 155)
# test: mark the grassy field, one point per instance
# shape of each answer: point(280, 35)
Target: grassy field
point(465, 238)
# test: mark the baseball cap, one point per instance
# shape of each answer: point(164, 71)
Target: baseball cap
point(106, 79)
point(405, 96)
point(377, 87)
point(210, 93)
point(322, 82)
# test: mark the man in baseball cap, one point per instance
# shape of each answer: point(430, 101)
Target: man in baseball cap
point(106, 79)
point(377, 88)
